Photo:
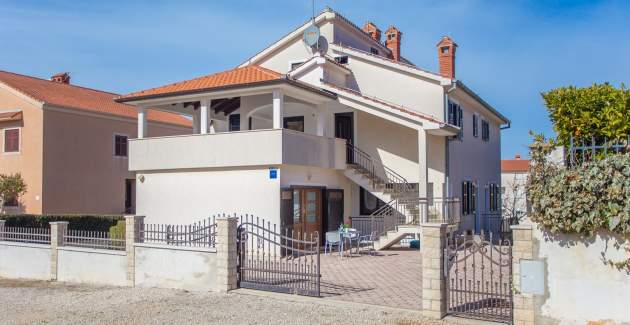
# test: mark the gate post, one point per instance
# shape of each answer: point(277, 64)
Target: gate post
point(522, 249)
point(433, 243)
point(226, 253)
point(133, 225)
point(58, 230)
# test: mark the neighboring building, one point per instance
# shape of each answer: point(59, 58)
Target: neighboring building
point(270, 135)
point(514, 174)
point(70, 145)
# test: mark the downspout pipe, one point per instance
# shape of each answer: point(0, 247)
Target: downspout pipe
point(447, 189)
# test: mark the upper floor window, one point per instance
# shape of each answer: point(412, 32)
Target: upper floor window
point(295, 123)
point(475, 125)
point(456, 117)
point(295, 65)
point(235, 122)
point(485, 130)
point(494, 194)
point(12, 140)
point(120, 145)
point(469, 198)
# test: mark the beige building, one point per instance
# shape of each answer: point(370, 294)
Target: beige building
point(70, 145)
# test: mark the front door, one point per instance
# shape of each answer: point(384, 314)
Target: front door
point(344, 130)
point(307, 212)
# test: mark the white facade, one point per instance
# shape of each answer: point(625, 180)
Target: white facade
point(397, 114)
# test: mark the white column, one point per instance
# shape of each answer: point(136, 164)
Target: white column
point(142, 122)
point(278, 109)
point(422, 161)
point(204, 107)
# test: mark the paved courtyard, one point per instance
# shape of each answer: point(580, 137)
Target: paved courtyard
point(390, 278)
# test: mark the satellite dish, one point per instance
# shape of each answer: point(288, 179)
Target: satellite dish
point(311, 35)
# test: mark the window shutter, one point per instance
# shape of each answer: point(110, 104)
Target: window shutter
point(473, 196)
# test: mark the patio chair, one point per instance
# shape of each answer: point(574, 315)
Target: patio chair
point(368, 241)
point(332, 239)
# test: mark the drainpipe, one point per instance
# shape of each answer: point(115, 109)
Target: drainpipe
point(447, 187)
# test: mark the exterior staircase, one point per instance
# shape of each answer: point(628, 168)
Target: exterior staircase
point(404, 211)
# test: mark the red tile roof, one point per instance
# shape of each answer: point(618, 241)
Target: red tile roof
point(514, 165)
point(240, 76)
point(71, 96)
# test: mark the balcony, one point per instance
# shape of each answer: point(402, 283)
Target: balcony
point(236, 149)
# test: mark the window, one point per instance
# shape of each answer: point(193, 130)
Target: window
point(485, 130)
point(295, 123)
point(368, 202)
point(456, 117)
point(120, 145)
point(12, 140)
point(373, 51)
point(235, 122)
point(342, 59)
point(444, 49)
point(469, 198)
point(11, 202)
point(295, 65)
point(475, 125)
point(494, 196)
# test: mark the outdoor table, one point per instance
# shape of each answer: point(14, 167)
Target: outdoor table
point(348, 234)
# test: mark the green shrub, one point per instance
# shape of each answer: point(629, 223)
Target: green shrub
point(77, 222)
point(600, 111)
point(582, 200)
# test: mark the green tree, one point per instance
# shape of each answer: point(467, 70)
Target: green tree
point(601, 111)
point(11, 186)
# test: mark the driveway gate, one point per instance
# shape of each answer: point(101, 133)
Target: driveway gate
point(277, 260)
point(479, 278)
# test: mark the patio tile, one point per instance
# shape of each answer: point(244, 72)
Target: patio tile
point(391, 278)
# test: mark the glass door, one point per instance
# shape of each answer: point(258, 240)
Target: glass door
point(307, 212)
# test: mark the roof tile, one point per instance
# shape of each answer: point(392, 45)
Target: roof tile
point(239, 76)
point(71, 96)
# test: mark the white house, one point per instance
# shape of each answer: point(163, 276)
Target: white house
point(514, 174)
point(270, 136)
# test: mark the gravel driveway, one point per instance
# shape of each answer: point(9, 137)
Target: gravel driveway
point(33, 302)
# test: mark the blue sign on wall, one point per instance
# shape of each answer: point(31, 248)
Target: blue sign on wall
point(273, 173)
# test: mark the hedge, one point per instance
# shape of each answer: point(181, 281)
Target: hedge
point(77, 222)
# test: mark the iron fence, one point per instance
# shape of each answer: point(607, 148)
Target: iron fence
point(94, 239)
point(25, 235)
point(583, 151)
point(199, 234)
point(497, 226)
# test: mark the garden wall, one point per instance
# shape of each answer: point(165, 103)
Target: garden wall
point(580, 286)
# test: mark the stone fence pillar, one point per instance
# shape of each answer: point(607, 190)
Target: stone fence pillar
point(2, 229)
point(226, 254)
point(58, 230)
point(133, 224)
point(522, 249)
point(433, 242)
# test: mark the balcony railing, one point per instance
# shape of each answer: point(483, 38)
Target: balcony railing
point(236, 149)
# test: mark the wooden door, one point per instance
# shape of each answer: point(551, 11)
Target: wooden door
point(307, 212)
point(312, 215)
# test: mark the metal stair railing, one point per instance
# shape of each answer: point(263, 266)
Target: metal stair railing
point(378, 173)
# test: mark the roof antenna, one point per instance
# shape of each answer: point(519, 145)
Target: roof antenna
point(311, 33)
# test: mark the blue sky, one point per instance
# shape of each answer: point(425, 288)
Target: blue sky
point(509, 51)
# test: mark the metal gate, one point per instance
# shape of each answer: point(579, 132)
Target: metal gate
point(479, 278)
point(277, 260)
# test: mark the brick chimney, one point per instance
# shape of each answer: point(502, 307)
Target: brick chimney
point(393, 37)
point(62, 77)
point(446, 57)
point(374, 32)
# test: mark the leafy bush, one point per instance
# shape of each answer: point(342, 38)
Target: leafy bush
point(600, 111)
point(583, 200)
point(77, 222)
